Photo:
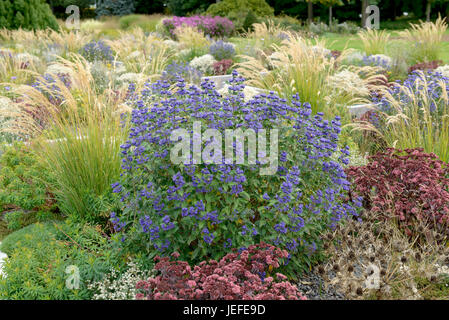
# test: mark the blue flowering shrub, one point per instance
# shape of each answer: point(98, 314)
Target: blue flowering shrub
point(205, 210)
point(97, 51)
point(181, 70)
point(222, 50)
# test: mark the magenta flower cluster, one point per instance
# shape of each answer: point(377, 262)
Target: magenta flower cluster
point(216, 27)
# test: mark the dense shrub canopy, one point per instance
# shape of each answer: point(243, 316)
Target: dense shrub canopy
point(410, 185)
point(115, 7)
point(241, 12)
point(26, 14)
point(205, 210)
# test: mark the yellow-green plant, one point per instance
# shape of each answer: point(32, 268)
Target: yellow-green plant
point(32, 113)
point(141, 53)
point(191, 38)
point(426, 39)
point(374, 41)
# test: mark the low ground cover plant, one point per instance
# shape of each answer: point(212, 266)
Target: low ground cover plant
point(246, 275)
point(409, 185)
point(41, 256)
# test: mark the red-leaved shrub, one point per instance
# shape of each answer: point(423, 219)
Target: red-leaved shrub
point(237, 276)
point(426, 66)
point(410, 185)
point(220, 67)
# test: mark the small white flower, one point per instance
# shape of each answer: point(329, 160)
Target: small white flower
point(203, 63)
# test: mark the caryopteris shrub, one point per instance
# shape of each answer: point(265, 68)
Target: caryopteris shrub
point(204, 210)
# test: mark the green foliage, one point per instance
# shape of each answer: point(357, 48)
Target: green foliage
point(114, 7)
point(23, 180)
point(86, 166)
point(145, 22)
point(26, 14)
point(40, 254)
point(184, 7)
point(241, 12)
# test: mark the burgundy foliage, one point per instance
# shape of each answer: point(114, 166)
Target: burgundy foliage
point(236, 276)
point(410, 185)
point(220, 67)
point(426, 66)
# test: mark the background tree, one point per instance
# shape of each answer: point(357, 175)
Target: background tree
point(330, 4)
point(114, 7)
point(26, 14)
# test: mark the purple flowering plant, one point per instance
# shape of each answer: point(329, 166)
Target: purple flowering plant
point(221, 50)
point(205, 210)
point(182, 70)
point(216, 27)
point(97, 51)
point(430, 85)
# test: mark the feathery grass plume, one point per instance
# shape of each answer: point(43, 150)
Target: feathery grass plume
point(91, 25)
point(142, 53)
point(191, 38)
point(70, 40)
point(267, 33)
point(374, 41)
point(36, 106)
point(426, 38)
point(83, 151)
point(416, 118)
point(303, 67)
point(81, 143)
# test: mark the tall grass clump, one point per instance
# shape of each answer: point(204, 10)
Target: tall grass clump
point(302, 67)
point(426, 39)
point(83, 151)
point(374, 41)
point(142, 53)
point(78, 135)
point(414, 114)
point(191, 37)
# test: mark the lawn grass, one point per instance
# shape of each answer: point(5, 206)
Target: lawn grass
point(336, 41)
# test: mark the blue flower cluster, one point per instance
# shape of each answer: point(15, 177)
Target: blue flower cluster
point(425, 85)
point(222, 50)
point(205, 210)
point(175, 71)
point(376, 61)
point(48, 86)
point(97, 51)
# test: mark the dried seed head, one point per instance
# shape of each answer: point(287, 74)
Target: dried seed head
point(403, 259)
point(383, 272)
point(350, 268)
point(359, 291)
point(321, 270)
point(336, 267)
point(433, 278)
point(372, 258)
point(418, 257)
